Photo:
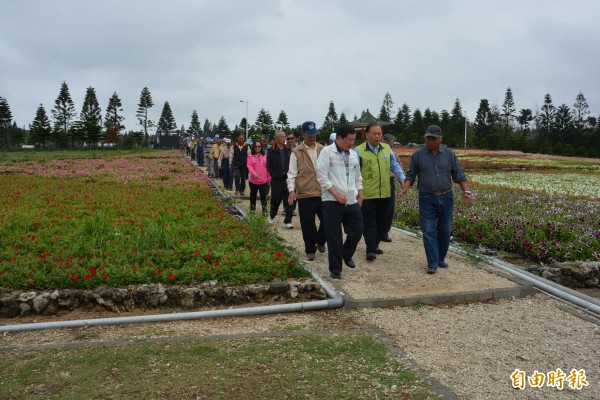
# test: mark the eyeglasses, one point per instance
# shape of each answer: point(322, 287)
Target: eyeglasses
point(291, 138)
point(257, 147)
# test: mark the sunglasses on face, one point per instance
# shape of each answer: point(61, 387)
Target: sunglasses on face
point(291, 138)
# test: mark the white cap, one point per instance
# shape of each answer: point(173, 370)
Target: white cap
point(333, 136)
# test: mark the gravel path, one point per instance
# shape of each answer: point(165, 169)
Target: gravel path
point(472, 349)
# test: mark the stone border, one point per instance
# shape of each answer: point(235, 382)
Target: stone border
point(154, 296)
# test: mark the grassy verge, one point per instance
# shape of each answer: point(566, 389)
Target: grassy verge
point(313, 367)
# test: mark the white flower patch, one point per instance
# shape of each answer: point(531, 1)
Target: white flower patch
point(565, 184)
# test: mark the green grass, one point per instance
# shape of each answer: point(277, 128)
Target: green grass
point(314, 367)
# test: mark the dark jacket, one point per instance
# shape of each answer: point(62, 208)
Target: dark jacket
point(240, 156)
point(274, 162)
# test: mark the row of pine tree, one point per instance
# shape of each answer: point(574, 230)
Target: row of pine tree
point(550, 129)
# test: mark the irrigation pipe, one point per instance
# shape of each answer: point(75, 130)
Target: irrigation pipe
point(569, 295)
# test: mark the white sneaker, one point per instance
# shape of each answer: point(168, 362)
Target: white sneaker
point(270, 220)
point(288, 226)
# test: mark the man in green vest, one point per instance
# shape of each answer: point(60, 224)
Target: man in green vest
point(376, 163)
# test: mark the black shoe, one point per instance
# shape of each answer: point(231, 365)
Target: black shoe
point(387, 239)
point(350, 263)
point(378, 251)
point(321, 248)
point(335, 275)
point(371, 257)
point(431, 270)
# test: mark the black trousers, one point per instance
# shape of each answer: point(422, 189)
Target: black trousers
point(374, 212)
point(336, 216)
point(279, 194)
point(309, 209)
point(387, 222)
point(262, 191)
point(240, 174)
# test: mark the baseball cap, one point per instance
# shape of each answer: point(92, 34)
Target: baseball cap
point(433, 130)
point(333, 136)
point(310, 128)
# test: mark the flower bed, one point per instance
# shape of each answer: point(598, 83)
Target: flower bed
point(537, 226)
point(126, 219)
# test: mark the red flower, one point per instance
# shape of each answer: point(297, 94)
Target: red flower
point(93, 270)
point(88, 276)
point(75, 277)
point(105, 276)
point(172, 277)
point(207, 256)
point(217, 264)
point(292, 262)
point(196, 254)
point(279, 254)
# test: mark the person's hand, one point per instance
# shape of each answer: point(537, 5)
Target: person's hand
point(403, 191)
point(467, 197)
point(291, 198)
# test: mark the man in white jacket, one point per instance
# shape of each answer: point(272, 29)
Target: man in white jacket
point(338, 173)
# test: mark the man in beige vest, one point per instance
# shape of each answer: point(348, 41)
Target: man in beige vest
point(303, 186)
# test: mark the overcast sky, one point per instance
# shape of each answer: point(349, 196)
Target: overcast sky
point(297, 55)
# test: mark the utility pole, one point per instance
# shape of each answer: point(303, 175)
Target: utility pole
point(246, 127)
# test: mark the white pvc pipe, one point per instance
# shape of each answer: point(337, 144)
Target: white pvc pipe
point(334, 301)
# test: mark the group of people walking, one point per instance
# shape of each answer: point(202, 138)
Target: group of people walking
point(340, 189)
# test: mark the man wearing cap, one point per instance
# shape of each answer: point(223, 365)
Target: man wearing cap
point(435, 167)
point(376, 163)
point(331, 138)
point(224, 160)
point(215, 150)
point(338, 173)
point(303, 186)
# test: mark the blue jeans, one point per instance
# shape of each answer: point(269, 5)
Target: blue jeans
point(436, 224)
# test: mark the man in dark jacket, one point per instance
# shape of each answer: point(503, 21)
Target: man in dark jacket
point(278, 162)
point(239, 164)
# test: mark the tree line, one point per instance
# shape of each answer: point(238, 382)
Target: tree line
point(551, 129)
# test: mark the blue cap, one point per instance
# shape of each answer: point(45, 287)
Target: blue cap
point(309, 128)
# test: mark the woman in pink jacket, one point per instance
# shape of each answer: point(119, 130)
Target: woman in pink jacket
point(258, 176)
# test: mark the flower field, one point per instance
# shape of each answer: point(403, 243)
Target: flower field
point(121, 219)
point(538, 209)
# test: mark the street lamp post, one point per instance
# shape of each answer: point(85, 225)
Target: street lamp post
point(246, 127)
point(465, 130)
